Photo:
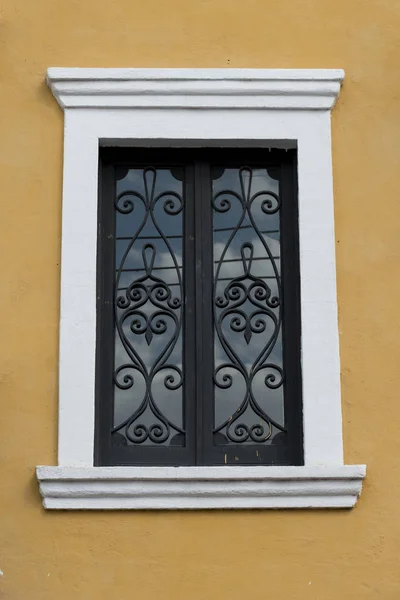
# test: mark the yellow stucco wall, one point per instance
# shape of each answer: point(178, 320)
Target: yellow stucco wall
point(288, 555)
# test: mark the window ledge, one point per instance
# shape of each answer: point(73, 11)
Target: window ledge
point(121, 488)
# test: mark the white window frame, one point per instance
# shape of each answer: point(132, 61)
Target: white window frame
point(198, 107)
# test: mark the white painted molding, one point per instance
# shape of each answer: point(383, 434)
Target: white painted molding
point(315, 89)
point(199, 487)
point(154, 107)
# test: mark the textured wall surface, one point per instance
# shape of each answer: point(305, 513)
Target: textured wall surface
point(289, 555)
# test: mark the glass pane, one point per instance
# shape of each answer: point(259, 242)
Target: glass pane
point(148, 377)
point(248, 375)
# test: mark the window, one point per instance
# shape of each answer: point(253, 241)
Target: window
point(205, 109)
point(199, 314)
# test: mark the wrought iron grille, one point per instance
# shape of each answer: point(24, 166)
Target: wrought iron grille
point(198, 356)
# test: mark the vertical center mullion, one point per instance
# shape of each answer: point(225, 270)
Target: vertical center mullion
point(204, 286)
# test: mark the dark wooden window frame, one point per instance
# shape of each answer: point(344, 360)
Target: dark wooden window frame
point(198, 320)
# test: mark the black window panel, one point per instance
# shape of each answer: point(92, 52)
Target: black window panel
point(198, 341)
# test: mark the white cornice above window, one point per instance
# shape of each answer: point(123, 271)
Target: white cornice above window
point(308, 89)
point(233, 107)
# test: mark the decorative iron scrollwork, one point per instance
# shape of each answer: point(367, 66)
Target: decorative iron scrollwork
point(247, 306)
point(148, 309)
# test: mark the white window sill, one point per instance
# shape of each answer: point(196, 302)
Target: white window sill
point(120, 488)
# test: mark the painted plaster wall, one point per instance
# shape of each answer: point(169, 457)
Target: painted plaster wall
point(291, 555)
